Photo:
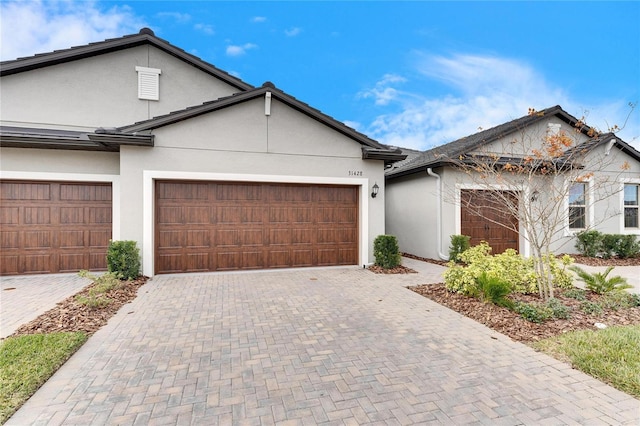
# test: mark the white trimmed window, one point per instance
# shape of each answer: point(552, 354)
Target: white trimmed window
point(148, 83)
point(578, 206)
point(631, 206)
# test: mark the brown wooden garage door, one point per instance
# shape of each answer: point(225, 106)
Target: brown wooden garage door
point(51, 227)
point(213, 226)
point(483, 217)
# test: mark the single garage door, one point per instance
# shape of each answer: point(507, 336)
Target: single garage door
point(222, 226)
point(51, 227)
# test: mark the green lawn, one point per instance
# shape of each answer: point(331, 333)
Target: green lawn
point(26, 362)
point(611, 355)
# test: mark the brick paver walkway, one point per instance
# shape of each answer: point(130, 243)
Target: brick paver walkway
point(23, 298)
point(316, 346)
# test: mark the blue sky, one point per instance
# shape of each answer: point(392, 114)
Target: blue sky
point(413, 74)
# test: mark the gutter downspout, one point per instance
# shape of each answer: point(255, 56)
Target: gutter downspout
point(438, 213)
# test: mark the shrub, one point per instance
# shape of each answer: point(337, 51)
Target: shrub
point(634, 299)
point(591, 307)
point(533, 312)
point(609, 245)
point(576, 293)
point(628, 246)
point(459, 244)
point(558, 310)
point(494, 289)
point(618, 300)
point(589, 243)
point(598, 281)
point(102, 284)
point(386, 251)
point(509, 266)
point(123, 259)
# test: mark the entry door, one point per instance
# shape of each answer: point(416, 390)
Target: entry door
point(484, 217)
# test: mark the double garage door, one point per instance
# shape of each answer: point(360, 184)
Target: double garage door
point(51, 227)
point(221, 226)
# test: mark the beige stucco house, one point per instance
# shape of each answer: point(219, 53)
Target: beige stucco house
point(135, 139)
point(438, 193)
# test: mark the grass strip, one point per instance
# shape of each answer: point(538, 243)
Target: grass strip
point(611, 355)
point(27, 362)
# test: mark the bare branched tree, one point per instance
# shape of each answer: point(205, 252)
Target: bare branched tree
point(548, 180)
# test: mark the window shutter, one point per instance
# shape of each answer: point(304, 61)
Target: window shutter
point(148, 83)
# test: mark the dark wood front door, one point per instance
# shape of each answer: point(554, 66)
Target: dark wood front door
point(484, 216)
point(220, 226)
point(51, 227)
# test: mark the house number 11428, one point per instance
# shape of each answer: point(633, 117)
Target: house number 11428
point(355, 172)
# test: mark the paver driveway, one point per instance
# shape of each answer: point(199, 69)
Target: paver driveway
point(336, 346)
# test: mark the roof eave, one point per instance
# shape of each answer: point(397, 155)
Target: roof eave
point(389, 156)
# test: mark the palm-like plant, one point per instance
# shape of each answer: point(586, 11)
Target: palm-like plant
point(598, 281)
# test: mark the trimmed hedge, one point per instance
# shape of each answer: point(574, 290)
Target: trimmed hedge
point(123, 259)
point(386, 251)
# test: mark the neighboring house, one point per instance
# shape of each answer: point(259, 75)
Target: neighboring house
point(436, 194)
point(135, 139)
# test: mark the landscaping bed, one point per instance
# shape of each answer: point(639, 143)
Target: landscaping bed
point(71, 315)
point(516, 327)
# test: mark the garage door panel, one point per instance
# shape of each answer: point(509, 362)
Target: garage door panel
point(170, 215)
point(38, 239)
point(9, 264)
point(70, 262)
point(36, 263)
point(9, 215)
point(71, 215)
point(171, 239)
point(99, 215)
point(198, 238)
point(279, 258)
point(197, 262)
point(51, 227)
point(302, 258)
point(71, 239)
point(25, 191)
point(37, 215)
point(252, 226)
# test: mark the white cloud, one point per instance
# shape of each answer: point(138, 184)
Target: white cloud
point(485, 91)
point(38, 26)
point(258, 19)
point(292, 32)
point(181, 18)
point(382, 92)
point(239, 50)
point(205, 28)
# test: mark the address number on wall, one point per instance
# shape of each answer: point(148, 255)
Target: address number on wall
point(355, 172)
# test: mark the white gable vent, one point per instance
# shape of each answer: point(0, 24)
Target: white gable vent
point(148, 83)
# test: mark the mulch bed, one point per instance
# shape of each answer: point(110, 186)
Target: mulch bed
point(517, 328)
point(71, 316)
point(397, 270)
point(597, 261)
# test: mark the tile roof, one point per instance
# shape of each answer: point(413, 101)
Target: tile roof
point(145, 36)
point(442, 154)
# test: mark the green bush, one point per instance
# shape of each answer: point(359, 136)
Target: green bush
point(618, 300)
point(386, 251)
point(591, 307)
point(123, 259)
point(494, 289)
point(558, 310)
point(628, 246)
point(635, 299)
point(609, 245)
point(596, 244)
point(598, 281)
point(576, 293)
point(589, 243)
point(459, 244)
point(533, 312)
point(508, 266)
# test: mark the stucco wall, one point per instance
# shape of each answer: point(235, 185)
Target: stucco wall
point(58, 162)
point(102, 91)
point(411, 215)
point(241, 143)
